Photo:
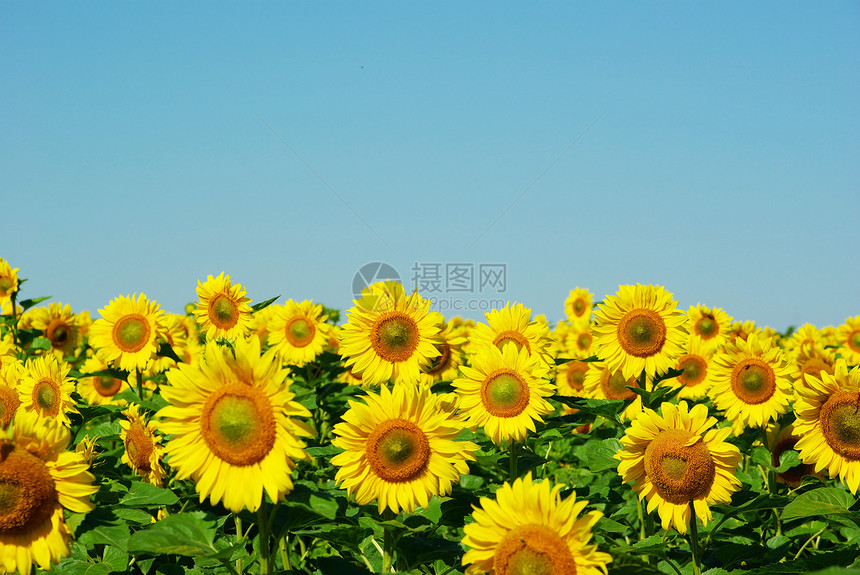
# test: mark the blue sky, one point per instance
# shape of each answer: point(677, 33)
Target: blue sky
point(707, 147)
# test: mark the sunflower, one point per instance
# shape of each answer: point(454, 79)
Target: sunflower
point(46, 388)
point(445, 366)
point(503, 391)
point(8, 353)
point(222, 308)
point(781, 439)
point(602, 382)
point(640, 330)
point(570, 378)
point(529, 528)
point(298, 332)
point(10, 400)
point(40, 479)
point(695, 363)
point(100, 389)
point(400, 449)
point(751, 382)
point(828, 422)
point(8, 281)
point(390, 335)
point(578, 340)
point(805, 364)
point(711, 325)
point(848, 337)
point(60, 327)
point(125, 334)
point(514, 324)
point(173, 333)
point(805, 340)
point(741, 330)
point(578, 305)
point(143, 450)
point(676, 458)
point(232, 426)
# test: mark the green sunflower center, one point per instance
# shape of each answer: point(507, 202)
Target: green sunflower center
point(840, 423)
point(579, 306)
point(394, 336)
point(695, 369)
point(753, 381)
point(576, 375)
point(107, 386)
point(641, 332)
point(583, 341)
point(679, 472)
point(46, 396)
point(614, 385)
point(505, 393)
point(131, 333)
point(300, 332)
point(854, 341)
point(397, 450)
point(238, 424)
point(223, 311)
point(706, 327)
point(5, 285)
point(533, 549)
point(28, 495)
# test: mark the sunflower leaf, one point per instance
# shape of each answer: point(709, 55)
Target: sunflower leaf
point(189, 534)
point(78, 567)
point(563, 360)
point(823, 501)
point(28, 303)
point(263, 304)
point(142, 494)
point(166, 350)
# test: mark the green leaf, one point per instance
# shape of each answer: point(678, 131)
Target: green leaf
point(78, 567)
point(563, 360)
point(28, 303)
point(166, 350)
point(42, 343)
point(116, 535)
point(823, 501)
point(188, 534)
point(787, 460)
point(324, 451)
point(116, 558)
point(145, 495)
point(471, 482)
point(110, 372)
point(600, 454)
point(324, 506)
point(263, 304)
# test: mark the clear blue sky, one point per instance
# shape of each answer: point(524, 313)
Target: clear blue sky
point(148, 144)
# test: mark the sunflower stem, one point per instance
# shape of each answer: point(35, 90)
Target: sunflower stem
point(237, 521)
point(514, 450)
point(694, 541)
point(387, 543)
point(265, 548)
point(643, 383)
point(284, 546)
point(14, 320)
point(139, 383)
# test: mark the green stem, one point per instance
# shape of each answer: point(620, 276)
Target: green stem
point(694, 541)
point(643, 382)
point(387, 543)
point(265, 548)
point(14, 321)
point(284, 546)
point(514, 450)
point(238, 522)
point(641, 513)
point(139, 383)
point(808, 541)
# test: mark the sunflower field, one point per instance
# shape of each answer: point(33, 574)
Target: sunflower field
point(285, 437)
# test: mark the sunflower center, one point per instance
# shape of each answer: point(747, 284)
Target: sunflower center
point(58, 332)
point(397, 450)
point(138, 446)
point(505, 393)
point(444, 359)
point(679, 472)
point(27, 492)
point(394, 336)
point(583, 341)
point(706, 328)
point(299, 332)
point(533, 549)
point(131, 333)
point(641, 332)
point(107, 386)
point(5, 285)
point(9, 403)
point(223, 311)
point(579, 306)
point(695, 369)
point(753, 381)
point(840, 423)
point(576, 375)
point(238, 424)
point(615, 386)
point(46, 396)
point(854, 341)
point(814, 366)
point(515, 337)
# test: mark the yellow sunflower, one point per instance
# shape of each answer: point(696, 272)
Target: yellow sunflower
point(805, 340)
point(529, 529)
point(124, 336)
point(676, 458)
point(848, 337)
point(514, 324)
point(60, 326)
point(390, 335)
point(570, 378)
point(143, 450)
point(695, 363)
point(46, 388)
point(40, 479)
point(231, 421)
point(578, 305)
point(578, 340)
point(400, 449)
point(804, 365)
point(445, 366)
point(174, 334)
point(222, 308)
point(602, 382)
point(741, 330)
point(298, 332)
point(781, 439)
point(100, 389)
point(8, 353)
point(640, 330)
point(8, 281)
point(10, 400)
point(503, 391)
point(828, 422)
point(711, 325)
point(751, 382)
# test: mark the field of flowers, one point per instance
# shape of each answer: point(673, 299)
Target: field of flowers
point(285, 437)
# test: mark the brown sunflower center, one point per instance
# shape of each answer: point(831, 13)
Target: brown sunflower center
point(394, 336)
point(840, 423)
point(753, 381)
point(223, 311)
point(579, 306)
point(9, 403)
point(695, 369)
point(444, 359)
point(131, 333)
point(576, 374)
point(138, 446)
point(515, 337)
point(5, 285)
point(614, 385)
point(238, 424)
point(533, 549)
point(505, 393)
point(46, 396)
point(397, 450)
point(299, 332)
point(59, 332)
point(706, 327)
point(641, 332)
point(814, 366)
point(854, 340)
point(583, 341)
point(679, 472)
point(107, 386)
point(28, 495)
